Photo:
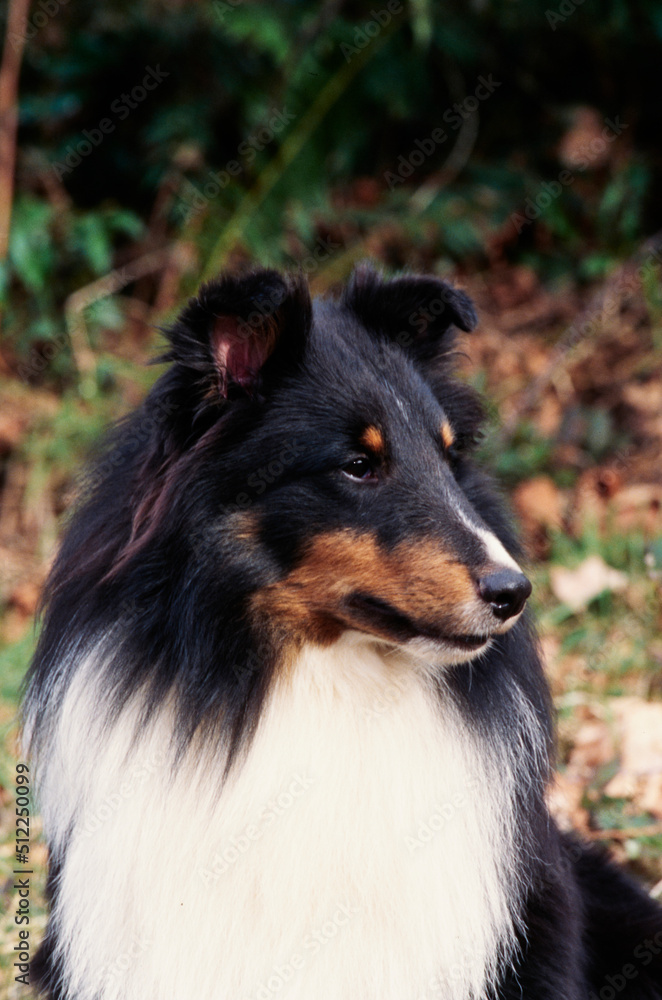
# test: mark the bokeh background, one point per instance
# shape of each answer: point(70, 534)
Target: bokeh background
point(512, 146)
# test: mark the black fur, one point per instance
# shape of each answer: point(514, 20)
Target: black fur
point(154, 555)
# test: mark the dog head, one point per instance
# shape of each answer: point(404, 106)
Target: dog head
point(324, 448)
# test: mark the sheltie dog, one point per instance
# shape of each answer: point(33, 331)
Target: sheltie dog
point(289, 723)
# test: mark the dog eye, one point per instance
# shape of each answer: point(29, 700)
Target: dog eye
point(360, 468)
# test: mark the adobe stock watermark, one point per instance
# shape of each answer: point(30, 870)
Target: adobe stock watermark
point(203, 539)
point(550, 190)
point(616, 982)
point(142, 428)
point(454, 117)
point(315, 256)
point(441, 984)
point(258, 657)
point(619, 463)
point(236, 847)
point(387, 699)
point(589, 323)
point(442, 814)
point(318, 937)
point(111, 973)
point(192, 200)
point(120, 109)
point(39, 360)
point(260, 480)
point(422, 318)
point(45, 12)
point(113, 282)
point(223, 7)
point(565, 10)
point(136, 778)
point(643, 267)
point(371, 29)
point(255, 484)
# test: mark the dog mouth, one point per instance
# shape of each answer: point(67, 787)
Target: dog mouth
point(465, 641)
point(376, 615)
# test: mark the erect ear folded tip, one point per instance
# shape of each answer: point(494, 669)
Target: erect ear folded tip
point(423, 305)
point(466, 317)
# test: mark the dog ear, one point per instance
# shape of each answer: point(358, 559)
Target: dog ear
point(416, 312)
point(238, 330)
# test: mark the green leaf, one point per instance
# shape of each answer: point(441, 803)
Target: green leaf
point(123, 220)
point(89, 237)
point(30, 245)
point(267, 32)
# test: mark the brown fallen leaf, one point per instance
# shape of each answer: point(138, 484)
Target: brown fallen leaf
point(593, 747)
point(11, 432)
point(639, 776)
point(639, 506)
point(583, 143)
point(25, 597)
point(578, 587)
point(539, 503)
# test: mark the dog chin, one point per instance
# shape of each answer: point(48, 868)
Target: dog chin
point(429, 652)
point(447, 652)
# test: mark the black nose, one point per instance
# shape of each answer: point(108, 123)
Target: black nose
point(505, 591)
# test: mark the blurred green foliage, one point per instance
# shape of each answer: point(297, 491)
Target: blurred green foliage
point(244, 123)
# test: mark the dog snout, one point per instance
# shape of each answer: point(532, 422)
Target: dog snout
point(506, 591)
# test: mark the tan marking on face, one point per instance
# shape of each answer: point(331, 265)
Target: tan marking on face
point(373, 439)
point(417, 578)
point(447, 435)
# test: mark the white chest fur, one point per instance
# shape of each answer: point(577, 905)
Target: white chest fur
point(359, 853)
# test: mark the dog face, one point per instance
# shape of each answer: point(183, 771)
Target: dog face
point(333, 448)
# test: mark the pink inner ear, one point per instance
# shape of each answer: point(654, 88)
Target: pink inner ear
point(239, 351)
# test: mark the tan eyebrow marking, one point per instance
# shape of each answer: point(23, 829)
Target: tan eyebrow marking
point(447, 435)
point(373, 439)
